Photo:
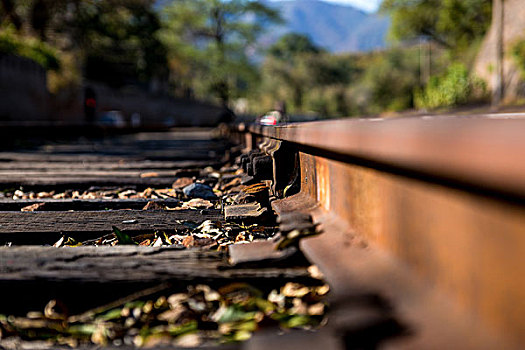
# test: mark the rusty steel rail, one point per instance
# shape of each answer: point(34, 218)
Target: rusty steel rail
point(427, 212)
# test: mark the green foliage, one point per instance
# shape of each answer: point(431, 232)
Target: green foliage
point(207, 49)
point(453, 88)
point(330, 102)
point(340, 85)
point(518, 54)
point(292, 45)
point(28, 47)
point(288, 65)
point(390, 79)
point(452, 23)
point(208, 42)
point(306, 77)
point(123, 238)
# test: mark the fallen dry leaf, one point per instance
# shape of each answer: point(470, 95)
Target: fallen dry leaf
point(197, 203)
point(126, 194)
point(45, 194)
point(231, 184)
point(33, 207)
point(59, 196)
point(314, 272)
point(154, 206)
point(147, 192)
point(152, 174)
point(59, 243)
point(188, 242)
point(158, 242)
point(146, 242)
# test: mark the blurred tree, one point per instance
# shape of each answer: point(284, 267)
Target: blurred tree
point(454, 87)
point(291, 45)
point(8, 13)
point(116, 38)
point(32, 48)
point(30, 16)
point(289, 65)
point(454, 24)
point(307, 77)
point(333, 76)
point(390, 80)
point(209, 42)
point(518, 54)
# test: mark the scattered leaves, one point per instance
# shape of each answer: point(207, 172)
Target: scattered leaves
point(66, 241)
point(199, 316)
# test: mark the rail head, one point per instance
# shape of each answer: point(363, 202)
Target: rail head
point(483, 153)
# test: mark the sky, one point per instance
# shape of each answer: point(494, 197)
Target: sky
point(366, 5)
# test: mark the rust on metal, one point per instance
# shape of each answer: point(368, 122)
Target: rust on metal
point(441, 198)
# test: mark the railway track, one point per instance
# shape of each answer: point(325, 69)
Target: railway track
point(107, 221)
point(415, 223)
point(427, 213)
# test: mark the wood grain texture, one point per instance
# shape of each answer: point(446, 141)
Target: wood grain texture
point(83, 204)
point(87, 277)
point(124, 263)
point(47, 227)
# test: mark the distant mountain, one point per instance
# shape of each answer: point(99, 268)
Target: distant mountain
point(337, 28)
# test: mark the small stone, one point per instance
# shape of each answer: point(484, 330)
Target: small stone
point(199, 191)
